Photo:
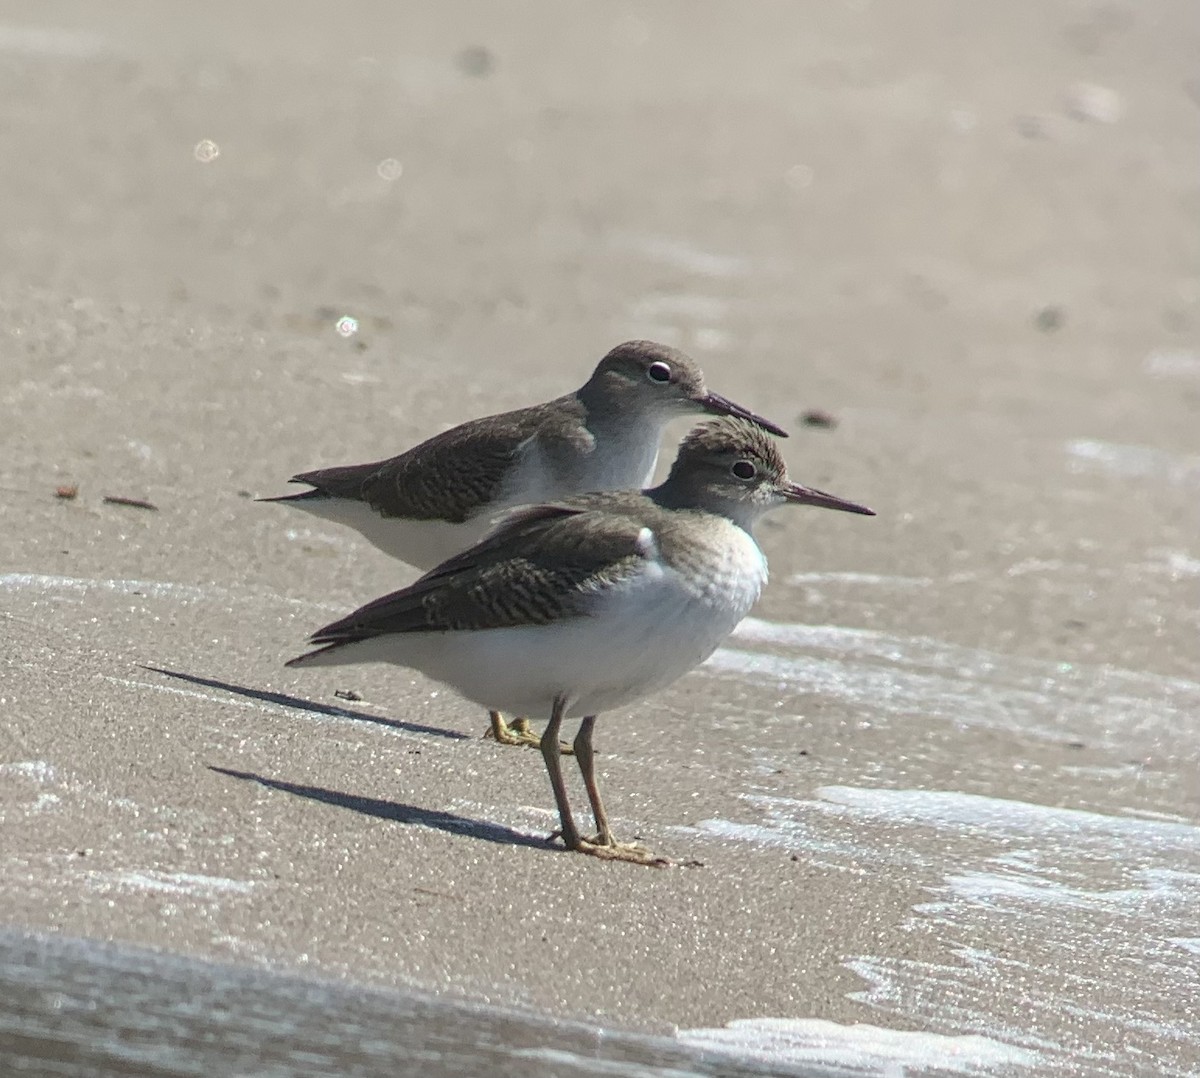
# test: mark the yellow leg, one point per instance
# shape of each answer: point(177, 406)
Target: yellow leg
point(604, 845)
point(518, 732)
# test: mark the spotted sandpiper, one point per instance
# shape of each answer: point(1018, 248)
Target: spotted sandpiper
point(591, 603)
point(443, 495)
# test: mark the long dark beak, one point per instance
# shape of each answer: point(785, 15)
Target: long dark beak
point(715, 403)
point(807, 496)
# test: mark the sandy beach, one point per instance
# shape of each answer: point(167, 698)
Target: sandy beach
point(943, 782)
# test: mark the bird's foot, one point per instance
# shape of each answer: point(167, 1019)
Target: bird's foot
point(612, 850)
point(609, 849)
point(518, 732)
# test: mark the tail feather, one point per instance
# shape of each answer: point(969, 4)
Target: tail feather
point(314, 495)
point(318, 657)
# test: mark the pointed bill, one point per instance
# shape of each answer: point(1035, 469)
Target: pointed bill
point(719, 405)
point(794, 492)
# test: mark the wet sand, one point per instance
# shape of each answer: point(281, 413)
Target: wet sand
point(944, 781)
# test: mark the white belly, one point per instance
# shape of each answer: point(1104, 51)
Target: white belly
point(427, 543)
point(641, 638)
point(420, 543)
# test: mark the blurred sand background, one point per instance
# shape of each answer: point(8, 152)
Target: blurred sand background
point(966, 231)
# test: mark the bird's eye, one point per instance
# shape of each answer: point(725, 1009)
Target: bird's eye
point(659, 372)
point(743, 469)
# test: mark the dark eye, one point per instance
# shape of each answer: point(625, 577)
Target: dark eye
point(743, 469)
point(659, 372)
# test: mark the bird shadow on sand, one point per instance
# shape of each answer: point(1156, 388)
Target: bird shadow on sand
point(285, 700)
point(400, 813)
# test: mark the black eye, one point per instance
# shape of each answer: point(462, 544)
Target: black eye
point(743, 469)
point(659, 372)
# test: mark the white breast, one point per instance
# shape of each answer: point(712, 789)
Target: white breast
point(642, 636)
point(612, 463)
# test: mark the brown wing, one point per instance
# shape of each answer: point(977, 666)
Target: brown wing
point(451, 476)
point(541, 565)
point(441, 479)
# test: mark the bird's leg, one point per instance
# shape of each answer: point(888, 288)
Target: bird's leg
point(586, 757)
point(553, 759)
point(604, 845)
point(517, 732)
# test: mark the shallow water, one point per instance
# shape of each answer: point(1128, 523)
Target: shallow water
point(79, 1009)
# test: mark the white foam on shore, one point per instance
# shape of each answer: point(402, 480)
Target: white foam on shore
point(35, 770)
point(322, 538)
point(917, 675)
point(1179, 364)
point(151, 589)
point(872, 580)
point(1028, 913)
point(174, 883)
point(41, 774)
point(1133, 461)
point(1173, 563)
point(195, 694)
point(324, 714)
point(783, 826)
point(1005, 818)
point(556, 1061)
point(45, 801)
point(859, 1049)
point(1145, 814)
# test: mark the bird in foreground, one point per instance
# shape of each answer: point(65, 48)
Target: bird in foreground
point(444, 495)
point(577, 607)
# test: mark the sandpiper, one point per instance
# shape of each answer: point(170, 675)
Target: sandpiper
point(588, 604)
point(443, 495)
